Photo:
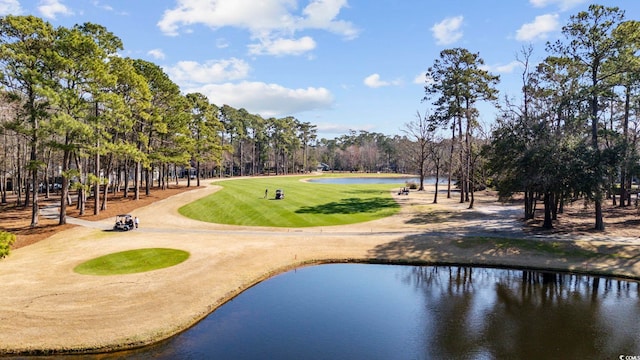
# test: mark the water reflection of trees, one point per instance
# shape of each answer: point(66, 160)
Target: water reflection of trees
point(479, 312)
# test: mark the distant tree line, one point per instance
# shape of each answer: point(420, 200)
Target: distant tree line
point(77, 117)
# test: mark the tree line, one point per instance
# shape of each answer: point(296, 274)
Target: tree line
point(574, 135)
point(76, 115)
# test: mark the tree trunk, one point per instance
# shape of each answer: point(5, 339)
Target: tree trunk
point(450, 165)
point(65, 188)
point(198, 173)
point(548, 204)
point(107, 183)
point(96, 191)
point(27, 191)
point(625, 139)
point(421, 187)
point(164, 171)
point(3, 175)
point(46, 179)
point(472, 186)
point(136, 182)
point(82, 192)
point(82, 199)
point(34, 203)
point(461, 180)
point(126, 179)
point(529, 205)
point(33, 159)
point(3, 189)
point(468, 165)
point(147, 182)
point(241, 156)
point(435, 195)
point(594, 142)
point(599, 217)
point(17, 183)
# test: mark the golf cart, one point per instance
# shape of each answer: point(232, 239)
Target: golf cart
point(123, 222)
point(279, 194)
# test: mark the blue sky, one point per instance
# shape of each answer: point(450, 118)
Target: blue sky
point(339, 64)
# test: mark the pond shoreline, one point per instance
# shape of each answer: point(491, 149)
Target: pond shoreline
point(49, 309)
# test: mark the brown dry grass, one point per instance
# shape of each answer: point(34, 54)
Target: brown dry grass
point(17, 220)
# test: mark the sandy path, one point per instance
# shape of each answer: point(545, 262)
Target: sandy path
point(48, 307)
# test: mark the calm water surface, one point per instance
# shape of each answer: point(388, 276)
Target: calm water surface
point(356, 311)
point(371, 180)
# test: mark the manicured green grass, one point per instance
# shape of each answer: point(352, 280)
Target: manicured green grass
point(132, 261)
point(242, 202)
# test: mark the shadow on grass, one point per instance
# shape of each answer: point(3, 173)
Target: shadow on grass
point(614, 259)
point(350, 206)
point(437, 216)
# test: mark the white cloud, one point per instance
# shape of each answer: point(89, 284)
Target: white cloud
point(562, 4)
point(265, 20)
point(503, 68)
point(539, 28)
point(322, 14)
point(156, 53)
point(267, 99)
point(448, 30)
point(11, 7)
point(508, 68)
point(215, 79)
point(283, 46)
point(374, 81)
point(51, 8)
point(187, 73)
point(102, 6)
point(261, 16)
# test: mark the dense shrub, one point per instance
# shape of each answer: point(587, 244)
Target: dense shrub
point(6, 239)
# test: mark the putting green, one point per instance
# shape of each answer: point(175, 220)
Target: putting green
point(132, 261)
point(243, 202)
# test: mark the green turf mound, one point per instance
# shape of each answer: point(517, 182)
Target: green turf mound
point(132, 261)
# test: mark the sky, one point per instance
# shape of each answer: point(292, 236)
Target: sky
point(341, 65)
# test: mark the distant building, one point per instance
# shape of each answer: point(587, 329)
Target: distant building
point(322, 167)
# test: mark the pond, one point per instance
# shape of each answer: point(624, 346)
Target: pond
point(358, 311)
point(370, 180)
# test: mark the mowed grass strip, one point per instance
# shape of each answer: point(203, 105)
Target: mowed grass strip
point(132, 261)
point(242, 202)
